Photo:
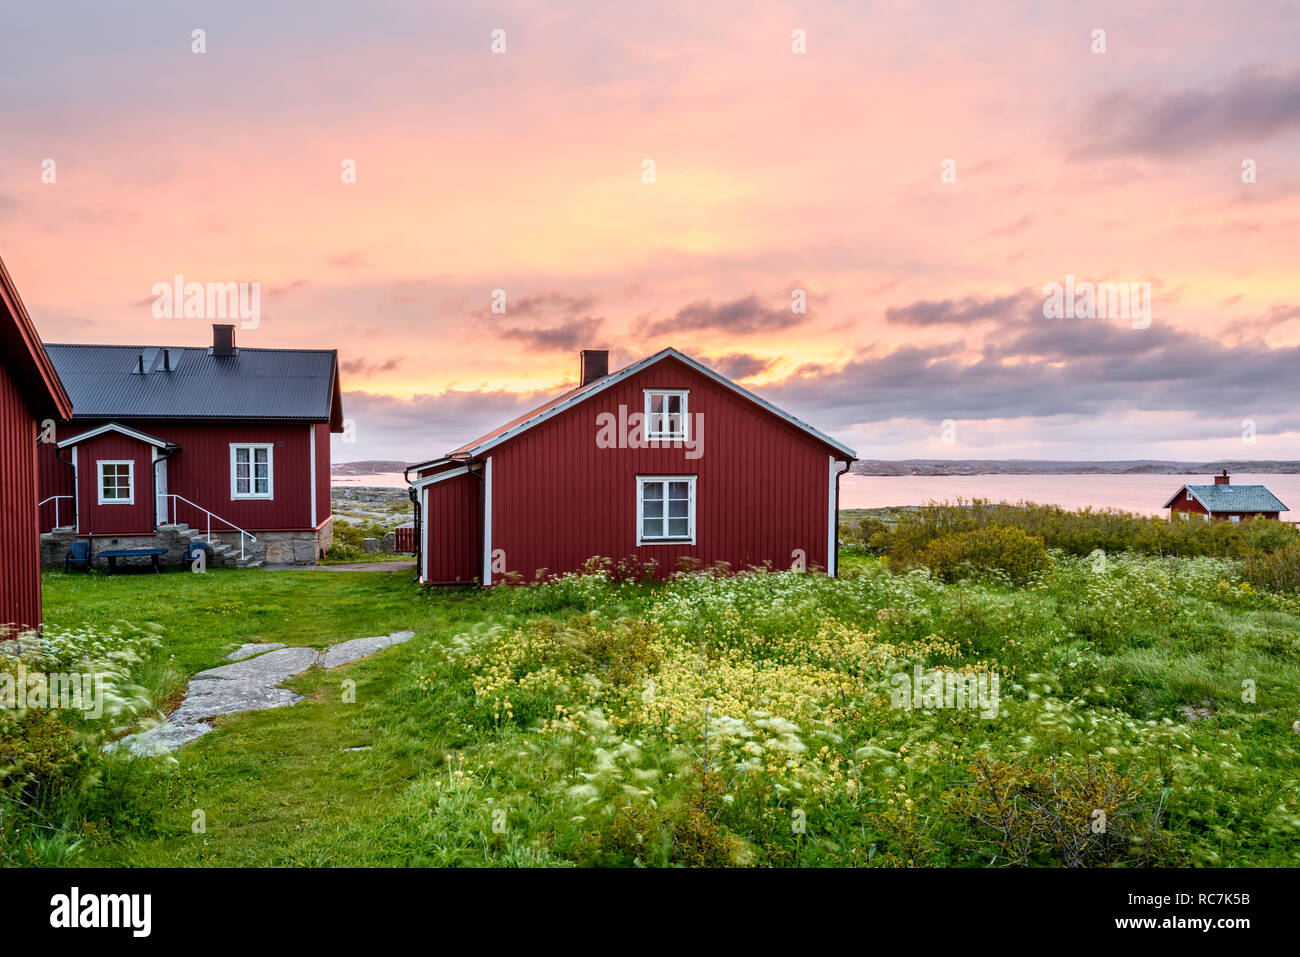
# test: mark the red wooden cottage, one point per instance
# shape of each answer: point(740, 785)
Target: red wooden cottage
point(665, 462)
point(32, 400)
point(224, 444)
point(1224, 502)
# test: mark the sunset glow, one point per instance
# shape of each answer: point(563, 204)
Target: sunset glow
point(774, 171)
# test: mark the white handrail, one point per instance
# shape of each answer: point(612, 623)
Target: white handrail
point(211, 516)
point(55, 500)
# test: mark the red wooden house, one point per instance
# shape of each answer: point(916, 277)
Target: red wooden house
point(224, 445)
point(1224, 502)
point(32, 400)
point(665, 462)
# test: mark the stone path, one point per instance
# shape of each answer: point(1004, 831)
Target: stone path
point(250, 684)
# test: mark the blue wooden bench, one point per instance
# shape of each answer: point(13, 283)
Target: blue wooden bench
point(113, 554)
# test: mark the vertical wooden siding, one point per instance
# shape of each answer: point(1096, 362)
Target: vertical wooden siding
point(114, 519)
point(200, 471)
point(450, 531)
point(20, 580)
point(762, 489)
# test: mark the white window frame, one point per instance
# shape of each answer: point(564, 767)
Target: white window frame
point(269, 494)
point(684, 435)
point(1234, 518)
point(641, 482)
point(130, 481)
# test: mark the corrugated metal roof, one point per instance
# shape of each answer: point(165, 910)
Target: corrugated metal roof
point(1235, 498)
point(294, 384)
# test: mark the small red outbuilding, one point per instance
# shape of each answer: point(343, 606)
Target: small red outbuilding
point(666, 463)
point(30, 394)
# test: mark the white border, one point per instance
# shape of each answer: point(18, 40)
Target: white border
point(685, 434)
point(252, 480)
point(487, 522)
point(99, 481)
point(76, 492)
point(832, 534)
point(450, 473)
point(113, 427)
point(424, 535)
point(311, 431)
point(691, 511)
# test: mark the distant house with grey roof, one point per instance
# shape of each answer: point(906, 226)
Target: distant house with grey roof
point(171, 445)
point(1224, 501)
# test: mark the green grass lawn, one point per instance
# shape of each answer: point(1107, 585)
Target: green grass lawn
point(595, 722)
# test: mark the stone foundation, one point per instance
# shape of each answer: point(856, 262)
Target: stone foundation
point(284, 548)
point(54, 546)
point(281, 548)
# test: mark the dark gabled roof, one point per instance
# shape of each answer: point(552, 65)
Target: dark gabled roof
point(299, 385)
point(25, 358)
point(1232, 498)
point(571, 398)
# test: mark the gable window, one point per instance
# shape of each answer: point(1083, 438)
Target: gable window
point(665, 509)
point(250, 471)
point(116, 482)
point(665, 414)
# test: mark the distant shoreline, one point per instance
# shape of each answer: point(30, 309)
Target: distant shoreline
point(945, 467)
point(940, 467)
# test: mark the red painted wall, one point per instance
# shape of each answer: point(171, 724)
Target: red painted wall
point(1194, 507)
point(762, 489)
point(1184, 504)
point(20, 579)
point(449, 522)
point(115, 519)
point(200, 471)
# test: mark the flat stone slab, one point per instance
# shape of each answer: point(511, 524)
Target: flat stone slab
point(350, 651)
point(249, 684)
point(253, 648)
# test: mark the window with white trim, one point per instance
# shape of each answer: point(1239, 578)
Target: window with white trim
point(665, 509)
point(116, 482)
point(251, 474)
point(665, 414)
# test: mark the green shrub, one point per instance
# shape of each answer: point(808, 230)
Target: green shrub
point(343, 552)
point(1277, 570)
point(996, 547)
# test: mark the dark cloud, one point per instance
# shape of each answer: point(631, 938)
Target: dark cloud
point(960, 311)
point(739, 317)
point(352, 260)
point(562, 337)
point(548, 304)
point(363, 366)
point(287, 289)
point(739, 365)
point(1031, 366)
point(1252, 106)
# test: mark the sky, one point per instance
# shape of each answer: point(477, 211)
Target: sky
point(636, 176)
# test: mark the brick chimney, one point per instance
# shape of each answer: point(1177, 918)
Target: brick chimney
point(594, 363)
point(1222, 479)
point(223, 340)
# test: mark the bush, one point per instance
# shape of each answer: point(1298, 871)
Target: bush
point(1062, 815)
point(1083, 532)
point(343, 552)
point(1276, 571)
point(51, 748)
point(997, 547)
